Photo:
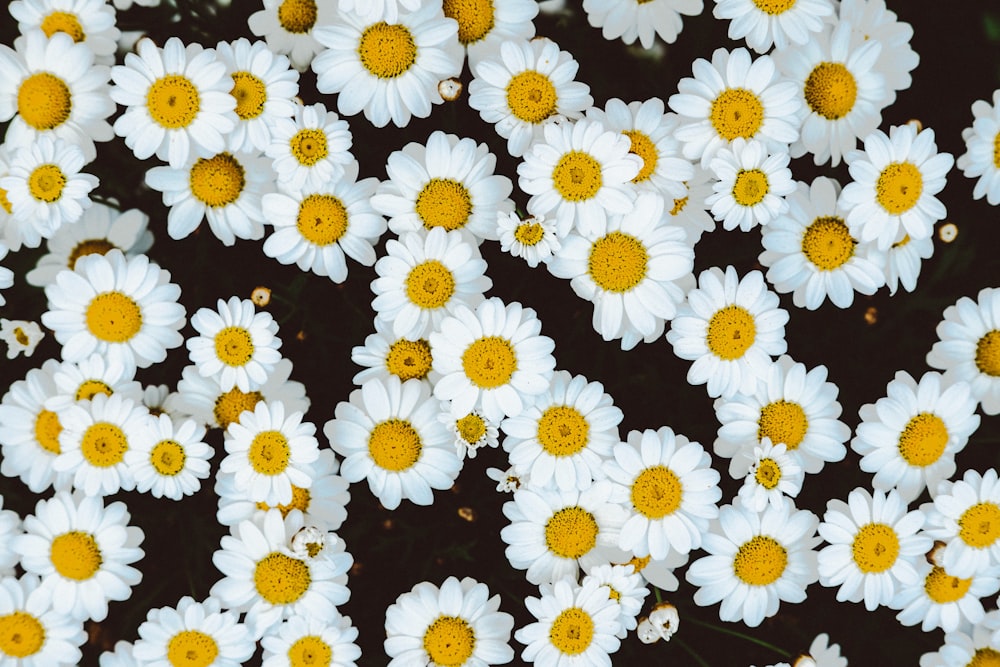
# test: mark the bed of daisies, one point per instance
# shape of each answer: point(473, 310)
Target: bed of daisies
point(475, 332)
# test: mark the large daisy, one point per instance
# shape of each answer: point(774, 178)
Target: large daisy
point(310, 149)
point(750, 185)
point(288, 26)
point(640, 19)
point(32, 633)
point(193, 633)
point(781, 23)
point(90, 22)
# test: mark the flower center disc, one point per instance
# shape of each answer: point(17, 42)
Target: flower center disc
point(269, 452)
point(471, 428)
point(234, 346)
point(217, 181)
point(489, 362)
point(444, 203)
point(89, 247)
point(784, 423)
point(46, 183)
point(761, 561)
point(90, 388)
point(103, 445)
point(192, 648)
point(297, 16)
point(408, 359)
point(310, 651)
point(923, 440)
point(173, 101)
point(774, 7)
point(657, 492)
point(63, 22)
point(387, 50)
point(750, 187)
point(44, 101)
point(898, 187)
point(394, 445)
point(322, 219)
point(300, 502)
point(308, 146)
point(230, 405)
point(5, 202)
point(827, 243)
point(250, 93)
point(47, 430)
point(21, 635)
point(644, 148)
point(736, 112)
point(430, 285)
point(167, 457)
point(75, 555)
point(985, 657)
point(577, 176)
point(449, 641)
point(474, 17)
point(988, 353)
point(944, 588)
point(571, 532)
point(996, 151)
point(531, 96)
point(563, 431)
point(875, 548)
point(768, 474)
point(617, 262)
point(281, 579)
point(831, 90)
point(572, 631)
point(979, 526)
point(529, 233)
point(731, 332)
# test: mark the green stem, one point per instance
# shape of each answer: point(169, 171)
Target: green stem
point(726, 631)
point(697, 658)
point(658, 593)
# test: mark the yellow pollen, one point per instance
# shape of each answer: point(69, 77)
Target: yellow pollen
point(234, 346)
point(113, 317)
point(657, 492)
point(774, 7)
point(44, 101)
point(489, 362)
point(408, 359)
point(90, 388)
point(167, 457)
point(297, 16)
point(761, 561)
point(75, 555)
point(474, 17)
point(5, 202)
point(47, 430)
point(46, 183)
point(20, 336)
point(613, 594)
point(449, 641)
point(639, 564)
point(230, 405)
point(310, 651)
point(571, 532)
point(531, 96)
point(643, 146)
point(985, 657)
point(996, 151)
point(308, 146)
point(831, 90)
point(827, 243)
point(944, 588)
point(923, 440)
point(563, 431)
point(387, 50)
point(768, 474)
point(173, 101)
point(577, 176)
point(617, 262)
point(979, 526)
point(901, 242)
point(269, 453)
point(679, 205)
point(731, 332)
point(783, 422)
point(736, 112)
point(192, 648)
point(471, 428)
point(281, 579)
point(217, 181)
point(250, 93)
point(898, 187)
point(63, 22)
point(572, 631)
point(300, 502)
point(89, 247)
point(750, 188)
point(21, 635)
point(104, 445)
point(444, 203)
point(430, 285)
point(394, 445)
point(988, 353)
point(875, 548)
point(529, 233)
point(322, 219)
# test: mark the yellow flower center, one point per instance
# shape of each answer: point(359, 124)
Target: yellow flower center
point(297, 16)
point(46, 183)
point(736, 112)
point(408, 359)
point(783, 422)
point(875, 548)
point(639, 564)
point(234, 346)
point(617, 262)
point(387, 50)
point(768, 473)
point(394, 445)
point(192, 648)
point(230, 405)
point(898, 187)
point(979, 526)
point(731, 332)
point(281, 579)
point(944, 588)
point(20, 336)
point(474, 17)
point(308, 146)
point(63, 22)
point(269, 453)
point(322, 219)
point(774, 7)
point(750, 188)
point(572, 631)
point(250, 93)
point(75, 555)
point(679, 205)
point(5, 202)
point(217, 181)
point(643, 146)
point(985, 657)
point(90, 388)
point(831, 90)
point(104, 445)
point(300, 502)
point(310, 651)
point(529, 233)
point(563, 431)
point(531, 96)
point(761, 561)
point(44, 101)
point(167, 457)
point(89, 247)
point(430, 285)
point(996, 151)
point(489, 362)
point(449, 641)
point(444, 203)
point(988, 353)
point(471, 428)
point(173, 101)
point(657, 492)
point(47, 430)
point(21, 635)
point(827, 243)
point(923, 440)
point(577, 176)
point(571, 532)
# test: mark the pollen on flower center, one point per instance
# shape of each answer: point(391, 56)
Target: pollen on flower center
point(736, 112)
point(310, 651)
point(234, 346)
point(44, 101)
point(760, 561)
point(408, 359)
point(774, 7)
point(642, 146)
point(572, 631)
point(996, 151)
point(875, 548)
point(898, 187)
point(46, 183)
point(89, 247)
point(444, 202)
point(657, 492)
point(47, 430)
point(322, 219)
point(192, 648)
point(571, 532)
point(923, 440)
point(979, 526)
point(679, 205)
point(531, 96)
point(308, 146)
point(300, 502)
point(269, 453)
point(731, 332)
point(474, 17)
point(387, 50)
point(75, 555)
point(104, 445)
point(489, 362)
point(5, 202)
point(529, 233)
point(831, 90)
point(988, 353)
point(394, 445)
point(63, 22)
point(449, 641)
point(827, 243)
point(250, 93)
point(944, 588)
point(750, 187)
point(297, 16)
point(768, 474)
point(563, 431)
point(167, 457)
point(217, 181)
point(430, 285)
point(173, 101)
point(281, 579)
point(471, 428)
point(577, 176)
point(617, 262)
point(21, 635)
point(90, 388)
point(230, 405)
point(985, 657)
point(783, 422)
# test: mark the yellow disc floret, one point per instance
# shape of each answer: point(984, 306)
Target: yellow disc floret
point(173, 101)
point(310, 651)
point(768, 473)
point(617, 262)
point(644, 147)
point(250, 93)
point(988, 353)
point(308, 146)
point(300, 502)
point(923, 440)
point(736, 112)
point(563, 431)
point(489, 362)
point(21, 635)
point(167, 457)
point(89, 247)
point(44, 101)
point(985, 657)
point(577, 176)
point(234, 346)
point(979, 526)
point(408, 359)
point(531, 96)
point(529, 233)
point(75, 555)
point(572, 631)
point(430, 285)
point(192, 648)
point(46, 183)
point(761, 561)
point(471, 428)
point(774, 7)
point(943, 588)
point(297, 16)
point(47, 430)
point(474, 17)
point(898, 187)
point(657, 492)
point(750, 187)
point(63, 22)
point(449, 641)
point(783, 422)
point(387, 50)
point(217, 181)
point(444, 202)
point(394, 445)
point(875, 548)
point(281, 579)
point(831, 90)
point(104, 445)
point(827, 243)
point(322, 219)
point(90, 388)
point(230, 405)
point(571, 532)
point(269, 453)
point(731, 332)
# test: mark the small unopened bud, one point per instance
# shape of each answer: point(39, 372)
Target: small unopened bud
point(665, 619)
point(261, 296)
point(915, 122)
point(646, 632)
point(948, 232)
point(450, 89)
point(804, 661)
point(308, 542)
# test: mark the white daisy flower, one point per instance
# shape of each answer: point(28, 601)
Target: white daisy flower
point(123, 308)
point(456, 624)
point(21, 336)
point(903, 260)
point(533, 239)
point(640, 19)
point(579, 173)
point(735, 96)
point(626, 586)
point(730, 328)
point(773, 475)
point(157, 399)
point(384, 354)
point(968, 346)
point(471, 431)
point(287, 26)
point(756, 561)
point(83, 551)
point(122, 654)
point(875, 547)
point(84, 379)
point(507, 481)
point(524, 87)
point(825, 654)
point(493, 359)
point(388, 67)
point(297, 640)
point(169, 459)
point(810, 252)
point(484, 24)
point(265, 579)
point(424, 276)
point(176, 99)
point(51, 87)
point(311, 149)
point(195, 633)
point(780, 23)
point(872, 20)
point(235, 344)
point(909, 438)
point(968, 647)
point(32, 633)
point(894, 182)
point(966, 517)
point(389, 434)
point(690, 212)
point(448, 182)
point(939, 600)
point(565, 437)
point(751, 185)
point(554, 534)
point(91, 22)
point(979, 160)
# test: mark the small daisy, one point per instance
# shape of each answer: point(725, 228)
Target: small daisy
point(507, 481)
point(485, 24)
point(526, 86)
point(872, 20)
point(287, 26)
point(533, 239)
point(388, 67)
point(124, 308)
point(299, 640)
point(579, 173)
point(471, 432)
point(969, 647)
point(32, 633)
point(626, 586)
point(169, 459)
point(756, 561)
point(980, 158)
point(730, 328)
point(91, 22)
point(21, 336)
point(122, 654)
point(235, 344)
point(968, 346)
point(640, 19)
point(157, 398)
point(423, 277)
point(939, 600)
point(82, 380)
point(909, 438)
point(903, 260)
point(84, 553)
point(751, 185)
point(894, 182)
point(311, 149)
point(457, 624)
point(194, 633)
point(449, 182)
point(875, 547)
point(809, 251)
point(494, 359)
point(389, 434)
point(780, 23)
point(384, 354)
point(690, 212)
point(966, 516)
point(735, 96)
point(773, 475)
point(825, 654)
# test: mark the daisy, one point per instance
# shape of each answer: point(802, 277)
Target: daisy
point(424, 276)
point(968, 346)
point(311, 149)
point(386, 66)
point(875, 547)
point(640, 19)
point(626, 586)
point(494, 359)
point(730, 328)
point(507, 481)
point(195, 633)
point(809, 251)
point(176, 99)
point(485, 24)
point(901, 264)
point(773, 475)
point(909, 438)
point(751, 185)
point(578, 174)
point(297, 640)
point(32, 633)
point(966, 516)
point(734, 96)
point(287, 26)
point(533, 239)
point(169, 458)
point(756, 561)
point(123, 308)
point(894, 182)
point(524, 87)
point(471, 431)
point(21, 336)
point(389, 434)
point(90, 22)
point(825, 654)
point(939, 600)
point(122, 654)
point(630, 266)
point(264, 578)
point(448, 182)
point(384, 354)
point(236, 345)
point(671, 489)
point(979, 160)
point(554, 534)
point(871, 20)
point(780, 23)
point(564, 438)
point(970, 647)
point(83, 551)
point(82, 380)
point(457, 624)
point(690, 212)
